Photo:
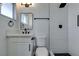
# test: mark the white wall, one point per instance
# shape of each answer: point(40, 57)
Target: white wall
point(41, 27)
point(73, 11)
point(58, 37)
point(3, 28)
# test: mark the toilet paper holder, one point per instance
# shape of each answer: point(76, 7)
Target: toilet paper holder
point(60, 26)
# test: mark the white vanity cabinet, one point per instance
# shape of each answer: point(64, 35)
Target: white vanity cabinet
point(19, 45)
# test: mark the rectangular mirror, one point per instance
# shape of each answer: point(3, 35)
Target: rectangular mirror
point(26, 20)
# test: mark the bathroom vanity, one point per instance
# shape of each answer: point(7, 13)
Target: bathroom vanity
point(19, 44)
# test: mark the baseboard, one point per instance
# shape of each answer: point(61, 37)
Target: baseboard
point(62, 54)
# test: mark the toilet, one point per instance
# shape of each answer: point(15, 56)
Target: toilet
point(41, 49)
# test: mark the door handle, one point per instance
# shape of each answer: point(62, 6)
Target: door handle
point(29, 47)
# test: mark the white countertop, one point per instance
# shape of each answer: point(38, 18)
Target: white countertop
point(19, 35)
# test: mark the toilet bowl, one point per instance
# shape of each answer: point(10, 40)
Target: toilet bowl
point(40, 46)
point(41, 51)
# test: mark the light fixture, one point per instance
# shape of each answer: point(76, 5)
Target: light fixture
point(26, 4)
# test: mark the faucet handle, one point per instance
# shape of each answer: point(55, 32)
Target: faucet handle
point(28, 32)
point(22, 32)
point(25, 29)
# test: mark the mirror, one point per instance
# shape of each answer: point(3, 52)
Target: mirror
point(26, 20)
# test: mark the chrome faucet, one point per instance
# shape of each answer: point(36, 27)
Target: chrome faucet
point(25, 31)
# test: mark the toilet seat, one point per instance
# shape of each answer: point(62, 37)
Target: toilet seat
point(41, 51)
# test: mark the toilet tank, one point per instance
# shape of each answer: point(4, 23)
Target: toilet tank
point(41, 40)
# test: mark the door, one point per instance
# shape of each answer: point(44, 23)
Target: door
point(22, 49)
point(42, 26)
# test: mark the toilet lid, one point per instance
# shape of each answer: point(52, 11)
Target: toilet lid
point(41, 51)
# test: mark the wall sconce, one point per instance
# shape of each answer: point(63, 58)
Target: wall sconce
point(26, 4)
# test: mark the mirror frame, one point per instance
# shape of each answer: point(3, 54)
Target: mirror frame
point(20, 21)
